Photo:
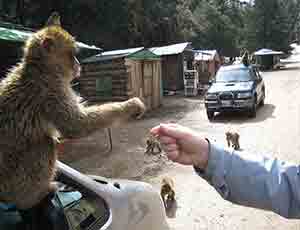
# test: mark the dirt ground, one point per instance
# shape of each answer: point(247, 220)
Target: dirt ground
point(274, 132)
point(127, 159)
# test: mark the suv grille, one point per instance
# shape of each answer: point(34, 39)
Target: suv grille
point(226, 96)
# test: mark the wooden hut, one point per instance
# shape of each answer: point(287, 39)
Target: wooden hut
point(122, 74)
point(175, 59)
point(267, 59)
point(207, 63)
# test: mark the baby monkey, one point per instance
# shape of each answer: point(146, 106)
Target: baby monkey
point(152, 145)
point(233, 140)
point(167, 191)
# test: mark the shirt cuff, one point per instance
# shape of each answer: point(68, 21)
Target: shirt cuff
point(219, 160)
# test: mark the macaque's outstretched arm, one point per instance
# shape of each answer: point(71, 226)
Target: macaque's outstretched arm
point(75, 121)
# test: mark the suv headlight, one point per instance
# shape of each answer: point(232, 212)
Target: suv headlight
point(211, 96)
point(244, 95)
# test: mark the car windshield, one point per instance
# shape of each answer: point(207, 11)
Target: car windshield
point(237, 75)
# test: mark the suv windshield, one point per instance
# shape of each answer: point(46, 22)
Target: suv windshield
point(236, 75)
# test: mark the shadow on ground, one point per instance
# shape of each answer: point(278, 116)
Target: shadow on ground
point(172, 209)
point(263, 113)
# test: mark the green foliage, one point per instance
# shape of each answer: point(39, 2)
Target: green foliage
point(225, 25)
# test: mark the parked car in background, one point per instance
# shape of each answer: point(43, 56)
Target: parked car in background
point(236, 87)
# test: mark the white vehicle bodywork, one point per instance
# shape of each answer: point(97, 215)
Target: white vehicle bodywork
point(133, 206)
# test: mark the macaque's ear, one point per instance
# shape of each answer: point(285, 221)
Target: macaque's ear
point(53, 20)
point(47, 44)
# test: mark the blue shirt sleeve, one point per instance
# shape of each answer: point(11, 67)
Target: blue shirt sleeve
point(254, 181)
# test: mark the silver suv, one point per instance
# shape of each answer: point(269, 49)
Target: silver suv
point(237, 87)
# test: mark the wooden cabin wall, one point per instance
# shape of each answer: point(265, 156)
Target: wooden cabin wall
point(144, 81)
point(134, 82)
point(114, 70)
point(157, 85)
point(172, 72)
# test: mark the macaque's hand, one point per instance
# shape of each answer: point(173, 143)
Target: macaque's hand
point(135, 107)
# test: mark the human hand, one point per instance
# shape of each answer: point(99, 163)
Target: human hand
point(183, 145)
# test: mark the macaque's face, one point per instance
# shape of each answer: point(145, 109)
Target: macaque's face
point(56, 48)
point(165, 189)
point(61, 52)
point(65, 57)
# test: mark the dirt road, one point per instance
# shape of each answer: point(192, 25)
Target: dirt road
point(275, 132)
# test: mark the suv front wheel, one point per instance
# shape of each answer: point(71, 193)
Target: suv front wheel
point(253, 110)
point(262, 102)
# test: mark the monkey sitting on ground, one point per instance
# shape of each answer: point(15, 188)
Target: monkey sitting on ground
point(233, 140)
point(152, 144)
point(167, 191)
point(37, 107)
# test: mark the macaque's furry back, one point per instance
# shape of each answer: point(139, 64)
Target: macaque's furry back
point(233, 139)
point(37, 106)
point(167, 191)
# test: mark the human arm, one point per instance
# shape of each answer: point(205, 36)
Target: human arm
point(254, 181)
point(241, 178)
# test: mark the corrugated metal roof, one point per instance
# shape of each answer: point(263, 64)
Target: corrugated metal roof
point(171, 49)
point(144, 54)
point(85, 46)
point(16, 35)
point(120, 52)
point(267, 52)
point(205, 55)
point(114, 54)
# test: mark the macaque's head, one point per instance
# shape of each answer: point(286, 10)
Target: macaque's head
point(165, 188)
point(228, 135)
point(54, 48)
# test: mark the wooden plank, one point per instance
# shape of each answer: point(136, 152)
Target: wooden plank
point(94, 94)
point(114, 80)
point(114, 88)
point(105, 73)
point(139, 80)
point(113, 98)
point(148, 77)
point(104, 69)
point(135, 77)
point(157, 86)
point(155, 89)
point(100, 67)
point(108, 63)
point(148, 102)
point(147, 87)
point(148, 69)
